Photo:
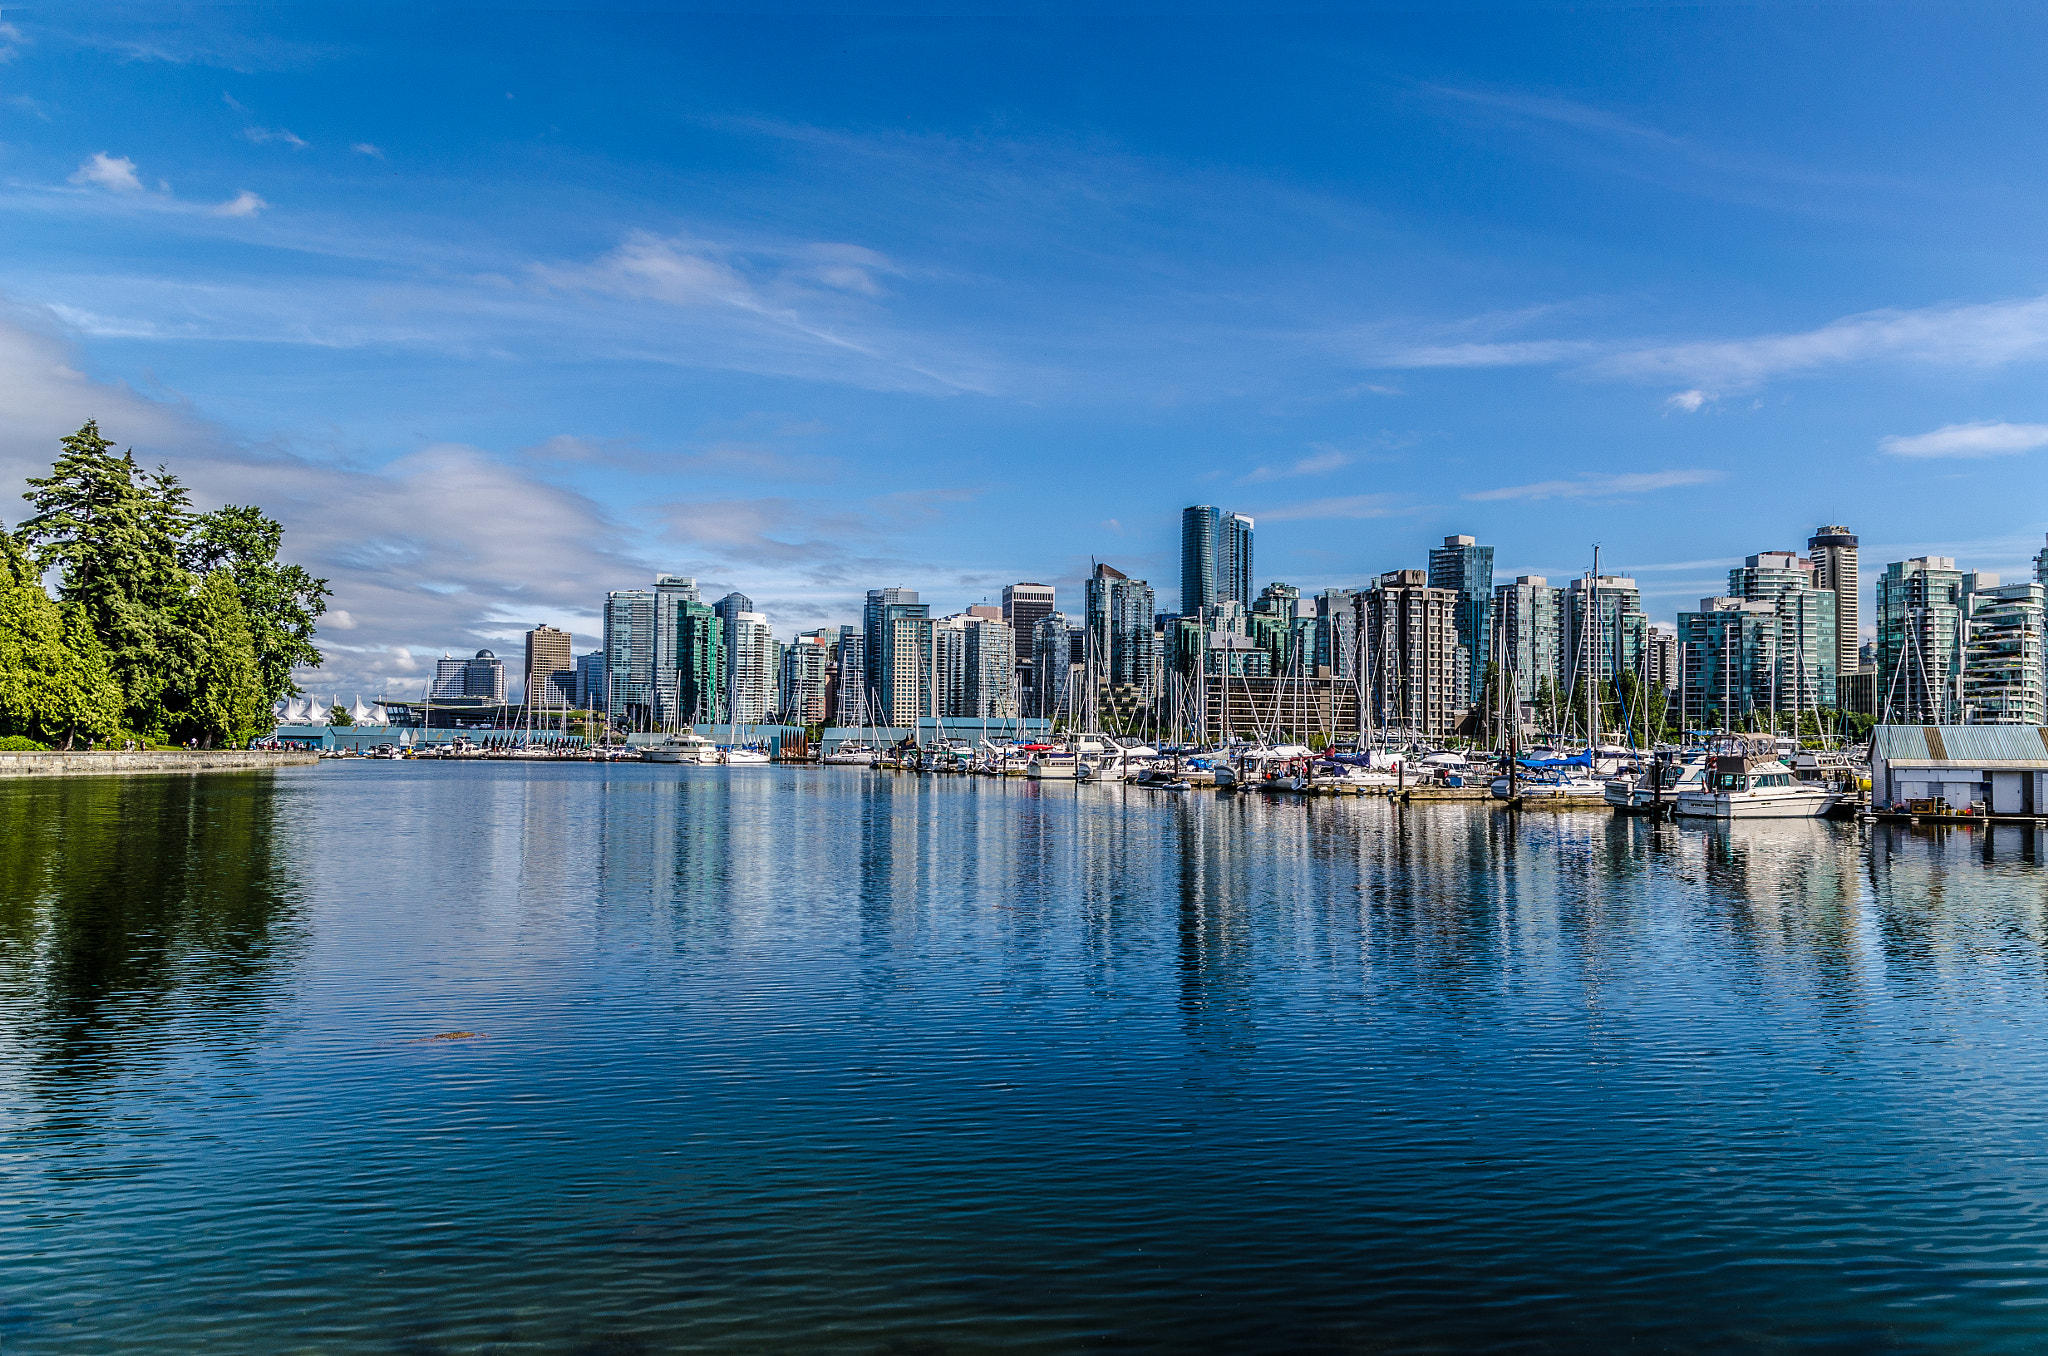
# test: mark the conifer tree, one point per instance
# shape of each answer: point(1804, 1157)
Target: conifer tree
point(280, 601)
point(227, 706)
point(54, 683)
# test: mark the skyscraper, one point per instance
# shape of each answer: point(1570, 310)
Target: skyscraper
point(1806, 653)
point(1414, 677)
point(898, 654)
point(1466, 567)
point(1530, 617)
point(1215, 559)
point(629, 647)
point(1605, 629)
point(751, 672)
point(689, 655)
point(1833, 553)
point(550, 667)
point(1200, 525)
point(1922, 610)
point(1023, 605)
point(2003, 667)
point(1119, 619)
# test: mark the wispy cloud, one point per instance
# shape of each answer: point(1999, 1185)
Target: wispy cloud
point(1322, 462)
point(112, 172)
point(1591, 486)
point(1342, 506)
point(1985, 438)
point(11, 41)
point(1687, 402)
point(1522, 353)
point(264, 136)
point(365, 148)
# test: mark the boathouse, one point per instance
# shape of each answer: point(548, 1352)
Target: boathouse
point(2001, 769)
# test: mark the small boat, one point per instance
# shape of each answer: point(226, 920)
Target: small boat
point(852, 754)
point(1550, 785)
point(745, 755)
point(1659, 783)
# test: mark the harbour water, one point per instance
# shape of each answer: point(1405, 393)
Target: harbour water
point(827, 1060)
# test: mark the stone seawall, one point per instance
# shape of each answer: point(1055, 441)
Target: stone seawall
point(153, 760)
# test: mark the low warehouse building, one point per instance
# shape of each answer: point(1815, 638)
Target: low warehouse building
point(2000, 769)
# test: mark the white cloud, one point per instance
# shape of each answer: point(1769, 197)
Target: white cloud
point(115, 172)
point(1322, 463)
point(1343, 506)
point(1688, 402)
point(1988, 335)
point(1986, 438)
point(1591, 486)
point(264, 136)
point(10, 39)
point(365, 148)
point(1525, 353)
point(243, 204)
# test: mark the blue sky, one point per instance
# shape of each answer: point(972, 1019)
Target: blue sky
point(499, 309)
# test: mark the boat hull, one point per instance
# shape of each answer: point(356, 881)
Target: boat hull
point(1752, 805)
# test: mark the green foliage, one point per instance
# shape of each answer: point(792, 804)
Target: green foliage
point(189, 620)
point(54, 683)
point(281, 602)
point(228, 707)
point(21, 744)
point(338, 715)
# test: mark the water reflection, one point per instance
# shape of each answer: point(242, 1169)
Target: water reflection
point(130, 904)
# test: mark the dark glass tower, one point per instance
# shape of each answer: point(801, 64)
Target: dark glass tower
point(1461, 564)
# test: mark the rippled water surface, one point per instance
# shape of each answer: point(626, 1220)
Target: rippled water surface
point(822, 1060)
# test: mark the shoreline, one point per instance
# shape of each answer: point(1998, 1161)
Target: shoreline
point(117, 762)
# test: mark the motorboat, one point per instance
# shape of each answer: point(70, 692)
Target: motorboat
point(686, 747)
point(853, 754)
point(1659, 783)
point(1549, 784)
point(1747, 780)
point(1054, 765)
point(745, 755)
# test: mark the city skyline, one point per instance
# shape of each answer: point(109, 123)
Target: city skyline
point(805, 308)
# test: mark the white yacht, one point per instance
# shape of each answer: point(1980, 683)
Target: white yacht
point(745, 755)
point(851, 754)
point(686, 747)
point(1748, 786)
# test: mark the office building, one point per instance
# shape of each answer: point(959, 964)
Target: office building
point(2004, 657)
point(1336, 632)
point(1529, 629)
point(1832, 552)
point(1023, 605)
point(976, 663)
point(688, 670)
point(1922, 608)
point(1663, 656)
point(1466, 568)
point(1234, 560)
point(550, 667)
point(1057, 650)
point(1415, 672)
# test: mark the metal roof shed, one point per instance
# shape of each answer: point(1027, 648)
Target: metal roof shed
point(2005, 767)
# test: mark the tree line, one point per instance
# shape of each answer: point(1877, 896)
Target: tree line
point(169, 626)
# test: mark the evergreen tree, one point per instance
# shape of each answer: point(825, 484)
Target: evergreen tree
point(227, 706)
point(280, 601)
point(113, 532)
point(54, 684)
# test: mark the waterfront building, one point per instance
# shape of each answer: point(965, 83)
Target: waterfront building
point(1832, 552)
point(1529, 617)
point(751, 668)
point(2004, 658)
point(1922, 607)
point(687, 664)
point(851, 690)
point(550, 667)
point(898, 654)
point(802, 688)
point(1118, 612)
point(1663, 656)
point(629, 647)
point(590, 681)
point(1803, 677)
point(1605, 629)
point(1466, 568)
point(1023, 605)
point(1415, 670)
point(1336, 632)
point(1727, 655)
point(447, 677)
point(976, 661)
point(483, 679)
point(1056, 659)
point(1215, 558)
